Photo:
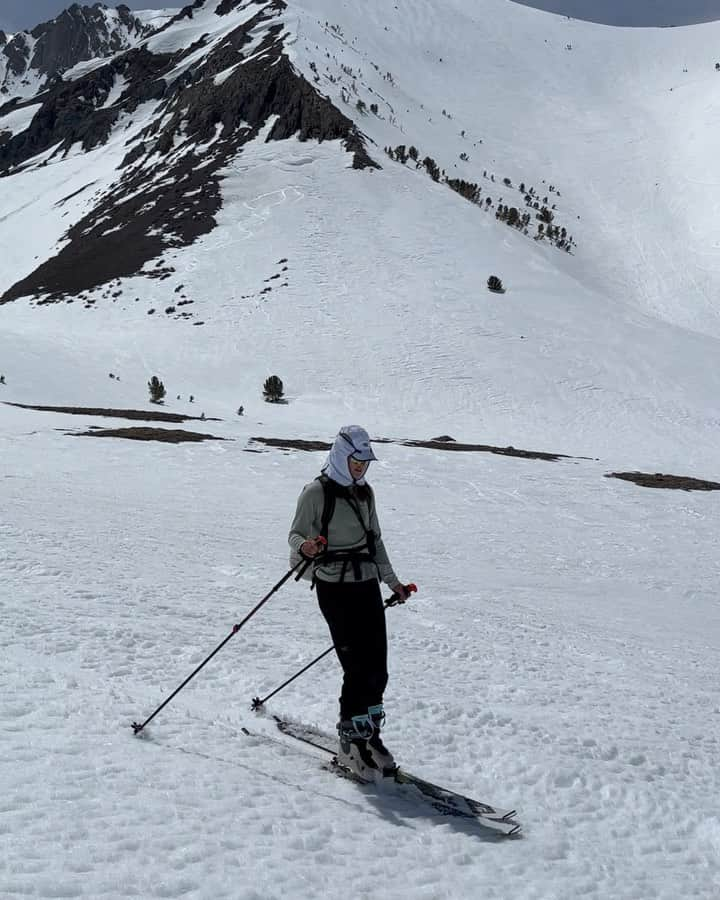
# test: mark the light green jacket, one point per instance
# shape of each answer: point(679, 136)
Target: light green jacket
point(344, 533)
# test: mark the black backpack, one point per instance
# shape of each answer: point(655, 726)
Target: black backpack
point(366, 553)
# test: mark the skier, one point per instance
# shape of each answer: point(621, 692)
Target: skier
point(339, 506)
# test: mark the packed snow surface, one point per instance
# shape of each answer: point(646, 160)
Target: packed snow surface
point(560, 656)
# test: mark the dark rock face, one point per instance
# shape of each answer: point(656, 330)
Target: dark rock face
point(78, 34)
point(17, 52)
point(71, 113)
point(158, 205)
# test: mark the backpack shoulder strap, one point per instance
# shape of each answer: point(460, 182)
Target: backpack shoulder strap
point(328, 504)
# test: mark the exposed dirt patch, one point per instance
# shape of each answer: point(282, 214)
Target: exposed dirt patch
point(291, 444)
point(486, 448)
point(167, 435)
point(671, 482)
point(143, 414)
point(443, 443)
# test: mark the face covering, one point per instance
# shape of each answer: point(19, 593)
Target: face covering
point(352, 440)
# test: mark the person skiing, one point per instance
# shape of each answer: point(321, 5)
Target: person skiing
point(338, 507)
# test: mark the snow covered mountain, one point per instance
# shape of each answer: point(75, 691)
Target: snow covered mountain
point(206, 88)
point(139, 166)
point(32, 60)
point(320, 189)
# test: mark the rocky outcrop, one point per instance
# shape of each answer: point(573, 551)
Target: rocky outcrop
point(78, 34)
point(72, 112)
point(81, 33)
point(16, 53)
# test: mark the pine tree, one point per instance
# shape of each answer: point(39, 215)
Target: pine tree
point(273, 389)
point(495, 284)
point(157, 390)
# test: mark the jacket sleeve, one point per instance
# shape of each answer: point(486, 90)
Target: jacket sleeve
point(307, 522)
point(381, 557)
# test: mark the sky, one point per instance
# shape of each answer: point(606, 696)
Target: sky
point(635, 13)
point(18, 14)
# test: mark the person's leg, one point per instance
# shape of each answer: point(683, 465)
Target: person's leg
point(373, 637)
point(355, 615)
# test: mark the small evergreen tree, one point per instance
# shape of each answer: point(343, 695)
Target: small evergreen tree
point(545, 215)
point(401, 154)
point(432, 167)
point(273, 389)
point(157, 390)
point(495, 284)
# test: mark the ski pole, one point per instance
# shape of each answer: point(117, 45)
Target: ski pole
point(258, 704)
point(302, 565)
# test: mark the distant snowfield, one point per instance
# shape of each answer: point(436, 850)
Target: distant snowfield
point(560, 655)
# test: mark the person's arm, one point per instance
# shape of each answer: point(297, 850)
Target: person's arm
point(306, 524)
point(382, 559)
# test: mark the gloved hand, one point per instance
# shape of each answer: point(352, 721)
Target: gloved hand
point(311, 547)
point(401, 592)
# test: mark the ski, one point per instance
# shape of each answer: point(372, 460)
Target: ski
point(442, 799)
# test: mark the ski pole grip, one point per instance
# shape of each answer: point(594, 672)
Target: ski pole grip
point(317, 540)
point(395, 598)
point(308, 560)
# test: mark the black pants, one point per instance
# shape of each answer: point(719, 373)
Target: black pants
point(355, 614)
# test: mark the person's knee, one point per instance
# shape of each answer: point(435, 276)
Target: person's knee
point(378, 681)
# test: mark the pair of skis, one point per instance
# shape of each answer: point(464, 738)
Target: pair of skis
point(444, 801)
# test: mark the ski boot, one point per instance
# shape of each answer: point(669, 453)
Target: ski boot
point(353, 752)
point(382, 757)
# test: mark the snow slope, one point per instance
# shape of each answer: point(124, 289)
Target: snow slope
point(560, 653)
point(615, 122)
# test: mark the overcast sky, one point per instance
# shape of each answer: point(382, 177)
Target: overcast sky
point(632, 12)
point(19, 14)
